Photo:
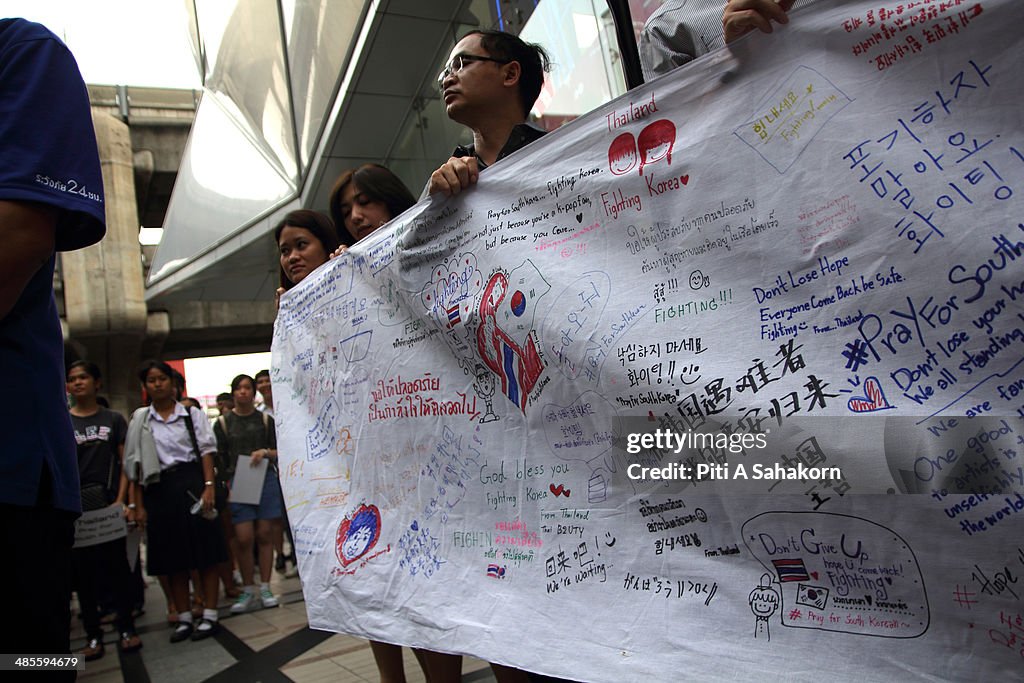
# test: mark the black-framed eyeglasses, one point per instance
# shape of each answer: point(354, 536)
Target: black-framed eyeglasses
point(459, 62)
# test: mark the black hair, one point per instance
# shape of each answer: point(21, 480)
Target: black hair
point(193, 402)
point(237, 382)
point(379, 184)
point(314, 221)
point(533, 62)
point(90, 368)
point(263, 373)
point(225, 396)
point(159, 365)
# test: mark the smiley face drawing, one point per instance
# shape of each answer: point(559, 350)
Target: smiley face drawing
point(358, 535)
point(764, 602)
point(622, 154)
point(696, 280)
point(655, 142)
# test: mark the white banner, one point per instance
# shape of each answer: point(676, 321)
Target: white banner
point(725, 377)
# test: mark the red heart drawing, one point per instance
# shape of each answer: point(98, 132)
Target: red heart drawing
point(684, 178)
point(872, 400)
point(559, 490)
point(814, 575)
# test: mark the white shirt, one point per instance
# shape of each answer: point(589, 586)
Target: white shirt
point(173, 444)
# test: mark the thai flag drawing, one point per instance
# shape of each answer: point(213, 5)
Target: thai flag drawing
point(791, 570)
point(510, 353)
point(450, 294)
point(512, 375)
point(454, 317)
point(495, 572)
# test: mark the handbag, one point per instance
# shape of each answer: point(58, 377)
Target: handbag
point(94, 497)
point(97, 496)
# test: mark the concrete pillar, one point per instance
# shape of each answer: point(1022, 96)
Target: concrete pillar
point(103, 286)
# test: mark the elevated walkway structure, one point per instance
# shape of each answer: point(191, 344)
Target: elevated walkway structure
point(294, 92)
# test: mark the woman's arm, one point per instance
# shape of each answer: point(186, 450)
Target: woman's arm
point(123, 490)
point(135, 498)
point(208, 481)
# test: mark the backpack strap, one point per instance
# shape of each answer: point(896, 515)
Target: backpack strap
point(110, 473)
point(192, 434)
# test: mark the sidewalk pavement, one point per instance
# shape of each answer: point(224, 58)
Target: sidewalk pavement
point(266, 645)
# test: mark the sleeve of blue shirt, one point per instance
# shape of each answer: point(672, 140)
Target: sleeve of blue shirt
point(47, 141)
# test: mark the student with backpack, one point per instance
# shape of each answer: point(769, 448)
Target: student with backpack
point(245, 431)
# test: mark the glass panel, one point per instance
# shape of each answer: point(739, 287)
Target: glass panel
point(245, 69)
point(212, 19)
point(319, 35)
point(223, 184)
point(193, 38)
point(580, 39)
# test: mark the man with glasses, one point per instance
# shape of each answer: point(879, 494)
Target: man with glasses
point(489, 85)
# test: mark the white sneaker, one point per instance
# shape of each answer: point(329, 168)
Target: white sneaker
point(292, 571)
point(243, 603)
point(268, 598)
point(236, 576)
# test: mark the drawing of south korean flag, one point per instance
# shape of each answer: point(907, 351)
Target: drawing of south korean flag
point(525, 286)
point(811, 596)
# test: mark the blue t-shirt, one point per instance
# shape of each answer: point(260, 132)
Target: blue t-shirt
point(47, 155)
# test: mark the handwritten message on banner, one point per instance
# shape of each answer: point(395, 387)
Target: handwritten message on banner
point(100, 526)
point(726, 376)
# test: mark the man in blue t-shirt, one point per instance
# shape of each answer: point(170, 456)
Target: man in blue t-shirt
point(51, 199)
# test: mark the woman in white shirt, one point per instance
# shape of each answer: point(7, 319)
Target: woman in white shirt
point(170, 451)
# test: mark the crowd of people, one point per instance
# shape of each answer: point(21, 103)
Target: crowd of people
point(168, 467)
point(171, 470)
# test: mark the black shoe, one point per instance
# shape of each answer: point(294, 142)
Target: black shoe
point(279, 562)
point(181, 632)
point(201, 633)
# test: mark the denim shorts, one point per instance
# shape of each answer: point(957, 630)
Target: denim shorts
point(271, 504)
